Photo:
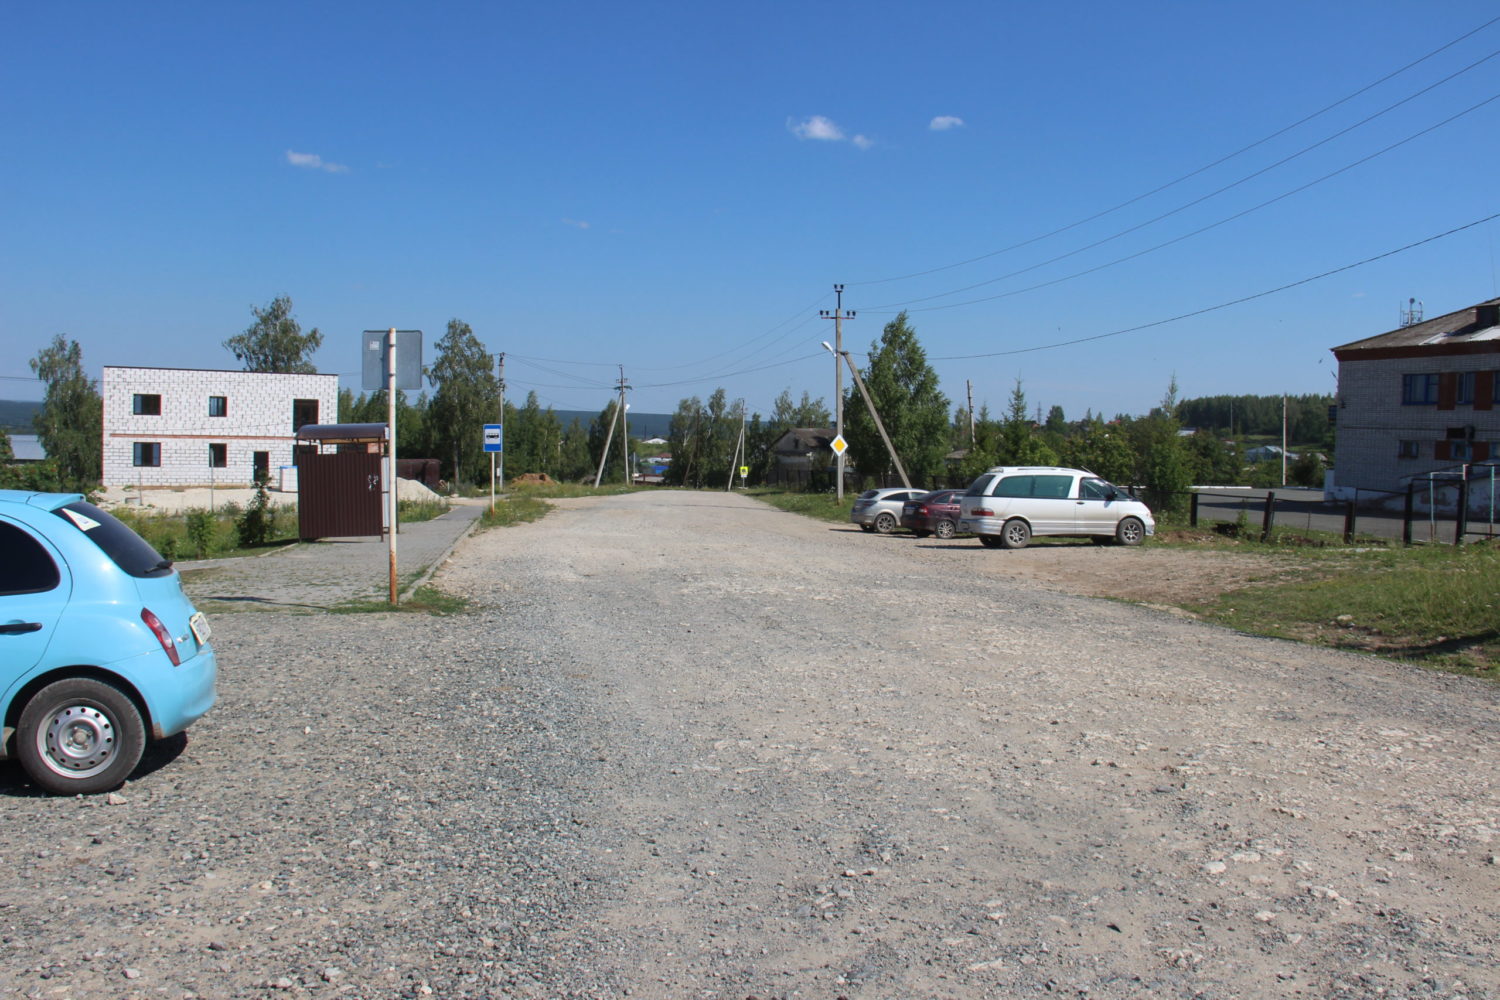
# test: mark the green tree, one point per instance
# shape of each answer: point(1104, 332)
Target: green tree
point(1101, 449)
point(467, 397)
point(1162, 462)
point(904, 389)
point(1018, 443)
point(7, 453)
point(70, 424)
point(686, 440)
point(573, 455)
point(275, 341)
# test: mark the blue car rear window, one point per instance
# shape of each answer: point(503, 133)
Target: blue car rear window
point(125, 548)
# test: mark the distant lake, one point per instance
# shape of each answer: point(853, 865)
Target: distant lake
point(28, 447)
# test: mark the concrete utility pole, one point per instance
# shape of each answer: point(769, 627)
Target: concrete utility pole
point(838, 316)
point(608, 438)
point(501, 475)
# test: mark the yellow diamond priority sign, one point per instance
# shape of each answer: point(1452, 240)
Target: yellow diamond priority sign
point(839, 445)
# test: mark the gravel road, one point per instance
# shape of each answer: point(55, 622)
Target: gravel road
point(685, 745)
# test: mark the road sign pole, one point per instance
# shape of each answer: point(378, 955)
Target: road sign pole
point(390, 401)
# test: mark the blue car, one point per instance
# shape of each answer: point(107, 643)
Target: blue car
point(100, 649)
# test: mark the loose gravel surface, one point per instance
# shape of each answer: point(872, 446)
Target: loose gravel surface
point(685, 745)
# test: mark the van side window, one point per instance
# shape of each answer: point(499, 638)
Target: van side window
point(1094, 489)
point(1052, 487)
point(1014, 486)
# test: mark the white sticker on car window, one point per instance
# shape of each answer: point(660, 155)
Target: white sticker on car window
point(84, 522)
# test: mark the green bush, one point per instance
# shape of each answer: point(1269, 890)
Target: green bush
point(202, 529)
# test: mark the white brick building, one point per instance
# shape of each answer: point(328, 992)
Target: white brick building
point(1419, 400)
point(195, 427)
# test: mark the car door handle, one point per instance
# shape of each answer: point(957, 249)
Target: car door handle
point(20, 628)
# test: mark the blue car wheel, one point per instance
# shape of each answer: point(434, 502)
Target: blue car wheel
point(80, 736)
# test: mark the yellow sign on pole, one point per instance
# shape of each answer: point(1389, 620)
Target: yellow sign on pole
point(839, 445)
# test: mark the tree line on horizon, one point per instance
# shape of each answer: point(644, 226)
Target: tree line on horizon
point(937, 444)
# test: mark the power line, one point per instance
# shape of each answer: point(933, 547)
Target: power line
point(1177, 239)
point(1187, 176)
point(1213, 194)
point(1224, 305)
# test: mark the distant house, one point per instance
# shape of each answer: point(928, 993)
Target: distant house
point(1268, 453)
point(196, 427)
point(801, 452)
point(1418, 400)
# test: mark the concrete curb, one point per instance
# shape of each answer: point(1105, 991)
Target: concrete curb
point(437, 563)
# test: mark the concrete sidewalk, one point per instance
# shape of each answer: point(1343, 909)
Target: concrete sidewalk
point(329, 572)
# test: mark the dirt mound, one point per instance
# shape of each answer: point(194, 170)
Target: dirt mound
point(532, 479)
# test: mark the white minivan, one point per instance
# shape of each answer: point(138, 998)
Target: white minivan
point(1006, 506)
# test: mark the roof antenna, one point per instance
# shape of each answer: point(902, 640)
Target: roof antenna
point(1412, 313)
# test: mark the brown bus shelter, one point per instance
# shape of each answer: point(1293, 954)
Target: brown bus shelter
point(340, 490)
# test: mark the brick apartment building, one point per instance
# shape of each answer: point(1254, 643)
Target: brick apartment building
point(1419, 400)
point(196, 427)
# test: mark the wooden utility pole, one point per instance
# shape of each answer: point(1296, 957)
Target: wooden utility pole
point(969, 385)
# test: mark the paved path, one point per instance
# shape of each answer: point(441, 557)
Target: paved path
point(329, 572)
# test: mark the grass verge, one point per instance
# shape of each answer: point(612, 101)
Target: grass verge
point(424, 600)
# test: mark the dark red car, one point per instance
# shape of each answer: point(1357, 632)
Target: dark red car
point(936, 513)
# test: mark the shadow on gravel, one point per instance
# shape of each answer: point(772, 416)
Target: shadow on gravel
point(231, 599)
point(15, 784)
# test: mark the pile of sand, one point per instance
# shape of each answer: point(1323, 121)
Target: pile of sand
point(174, 500)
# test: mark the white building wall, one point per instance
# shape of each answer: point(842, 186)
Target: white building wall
point(259, 418)
point(1372, 420)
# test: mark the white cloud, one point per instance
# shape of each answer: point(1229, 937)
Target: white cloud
point(312, 161)
point(863, 142)
point(943, 123)
point(575, 223)
point(817, 127)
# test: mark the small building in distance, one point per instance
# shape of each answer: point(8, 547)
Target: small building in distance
point(1418, 400)
point(201, 427)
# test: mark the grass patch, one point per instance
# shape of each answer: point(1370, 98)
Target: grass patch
point(1436, 605)
point(200, 534)
point(426, 600)
point(823, 506)
point(413, 511)
point(528, 502)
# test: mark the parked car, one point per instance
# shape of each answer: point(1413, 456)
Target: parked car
point(934, 513)
point(100, 649)
point(1006, 507)
point(880, 510)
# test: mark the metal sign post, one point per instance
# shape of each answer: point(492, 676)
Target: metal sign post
point(379, 371)
point(494, 444)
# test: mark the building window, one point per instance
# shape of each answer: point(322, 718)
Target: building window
point(218, 456)
point(147, 454)
point(146, 405)
point(304, 411)
point(218, 406)
point(1460, 451)
point(1465, 388)
point(1407, 449)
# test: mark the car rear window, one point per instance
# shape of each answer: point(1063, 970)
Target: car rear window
point(869, 494)
point(979, 486)
point(125, 548)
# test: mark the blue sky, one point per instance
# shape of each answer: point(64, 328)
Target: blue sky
point(675, 187)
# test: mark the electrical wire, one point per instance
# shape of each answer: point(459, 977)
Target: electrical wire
point(1196, 232)
point(1224, 305)
point(1191, 174)
point(1213, 194)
